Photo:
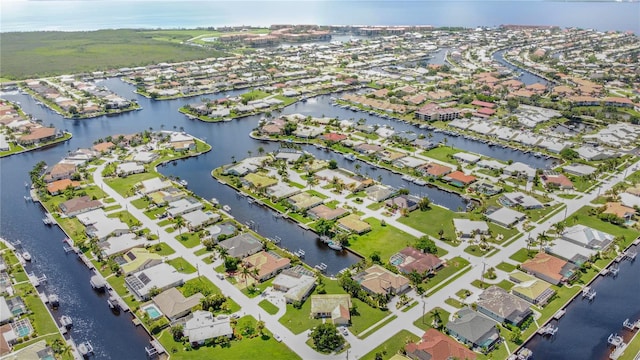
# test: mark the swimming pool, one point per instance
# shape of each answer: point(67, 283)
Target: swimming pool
point(152, 311)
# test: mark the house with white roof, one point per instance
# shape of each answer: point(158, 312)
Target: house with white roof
point(153, 185)
point(587, 237)
point(505, 217)
point(466, 228)
point(202, 326)
point(129, 168)
point(466, 157)
point(520, 199)
point(518, 169)
point(183, 206)
point(161, 277)
point(198, 219)
point(99, 226)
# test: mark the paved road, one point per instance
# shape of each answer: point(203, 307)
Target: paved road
point(404, 320)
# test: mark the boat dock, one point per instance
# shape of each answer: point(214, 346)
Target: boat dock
point(154, 349)
point(588, 293)
point(37, 280)
point(548, 330)
point(631, 325)
point(98, 283)
point(560, 313)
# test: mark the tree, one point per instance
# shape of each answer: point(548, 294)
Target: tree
point(260, 327)
point(179, 224)
point(437, 319)
point(177, 332)
point(424, 204)
point(260, 150)
point(326, 338)
point(333, 164)
point(245, 271)
point(324, 226)
point(426, 245)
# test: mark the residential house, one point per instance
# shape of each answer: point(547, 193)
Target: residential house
point(549, 268)
point(242, 245)
point(459, 179)
point(529, 288)
point(504, 216)
point(619, 210)
point(519, 198)
point(588, 237)
point(174, 305)
point(246, 166)
point(498, 304)
point(99, 226)
point(79, 205)
point(198, 219)
point(5, 313)
point(59, 186)
point(474, 330)
point(60, 171)
point(144, 157)
point(303, 201)
point(138, 259)
point(296, 283)
point(410, 259)
point(267, 264)
point(408, 202)
point(379, 193)
point(579, 169)
point(202, 326)
point(38, 135)
point(353, 223)
point(129, 168)
point(334, 306)
point(435, 170)
point(378, 280)
point(155, 184)
point(156, 278)
point(466, 157)
point(257, 181)
point(518, 169)
point(556, 180)
point(104, 147)
point(282, 190)
point(466, 228)
point(325, 212)
point(435, 345)
point(183, 206)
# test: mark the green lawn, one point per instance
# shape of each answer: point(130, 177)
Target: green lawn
point(387, 240)
point(378, 326)
point(206, 287)
point(505, 284)
point(582, 217)
point(424, 322)
point(367, 317)
point(476, 250)
point(443, 153)
point(182, 265)
point(268, 307)
point(247, 348)
point(392, 346)
point(453, 266)
point(126, 218)
point(202, 251)
point(632, 349)
point(455, 303)
point(432, 221)
point(189, 240)
point(141, 203)
point(523, 255)
point(506, 267)
point(161, 249)
point(125, 185)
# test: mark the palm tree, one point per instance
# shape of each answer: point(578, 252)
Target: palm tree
point(437, 320)
point(542, 239)
point(260, 327)
point(245, 273)
point(179, 223)
point(260, 150)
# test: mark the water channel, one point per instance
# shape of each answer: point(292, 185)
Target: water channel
point(115, 336)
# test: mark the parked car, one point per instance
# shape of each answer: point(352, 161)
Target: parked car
point(277, 337)
point(344, 331)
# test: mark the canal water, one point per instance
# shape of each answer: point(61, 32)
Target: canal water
point(525, 76)
point(584, 329)
point(114, 336)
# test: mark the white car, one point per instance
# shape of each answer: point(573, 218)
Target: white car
point(344, 331)
point(277, 337)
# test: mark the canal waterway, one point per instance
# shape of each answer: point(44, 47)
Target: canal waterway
point(114, 336)
point(584, 329)
point(525, 76)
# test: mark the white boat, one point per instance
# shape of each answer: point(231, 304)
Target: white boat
point(66, 321)
point(334, 245)
point(26, 256)
point(183, 182)
point(350, 157)
point(408, 178)
point(85, 348)
point(226, 208)
point(420, 182)
point(214, 201)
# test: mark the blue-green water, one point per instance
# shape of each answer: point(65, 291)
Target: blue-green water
point(24, 15)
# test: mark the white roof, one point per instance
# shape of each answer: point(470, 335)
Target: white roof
point(588, 237)
point(629, 199)
point(491, 164)
point(203, 325)
point(183, 205)
point(466, 157)
point(468, 227)
point(155, 184)
point(99, 225)
point(5, 312)
point(118, 244)
point(129, 167)
point(521, 168)
point(520, 198)
point(160, 276)
point(144, 156)
point(199, 217)
point(178, 137)
point(580, 169)
point(411, 162)
point(505, 216)
point(297, 286)
point(282, 190)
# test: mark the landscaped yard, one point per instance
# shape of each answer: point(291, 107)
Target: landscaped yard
point(392, 346)
point(476, 250)
point(425, 322)
point(455, 303)
point(443, 153)
point(506, 267)
point(247, 348)
point(268, 307)
point(523, 255)
point(161, 249)
point(206, 287)
point(125, 185)
point(453, 266)
point(190, 239)
point(141, 203)
point(126, 218)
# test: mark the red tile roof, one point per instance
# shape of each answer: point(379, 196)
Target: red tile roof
point(334, 137)
point(440, 347)
point(483, 104)
point(461, 177)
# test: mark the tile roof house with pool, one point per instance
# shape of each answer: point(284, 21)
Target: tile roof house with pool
point(174, 305)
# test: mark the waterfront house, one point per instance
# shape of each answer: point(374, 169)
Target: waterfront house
point(59, 186)
point(408, 202)
point(408, 162)
point(333, 137)
point(334, 306)
point(202, 326)
point(79, 205)
point(183, 206)
point(520, 199)
point(588, 237)
point(296, 283)
point(242, 245)
point(529, 288)
point(156, 278)
point(303, 201)
point(504, 216)
point(282, 190)
point(5, 313)
point(353, 223)
point(486, 188)
point(518, 169)
point(174, 305)
point(499, 305)
point(116, 244)
point(99, 226)
point(459, 179)
point(257, 181)
point(434, 170)
point(466, 157)
point(267, 264)
point(246, 166)
point(38, 135)
point(549, 268)
point(138, 259)
point(410, 259)
point(378, 280)
point(325, 212)
point(155, 184)
point(466, 228)
point(435, 345)
point(198, 219)
point(129, 168)
point(60, 171)
point(379, 193)
point(579, 169)
point(144, 157)
point(474, 330)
